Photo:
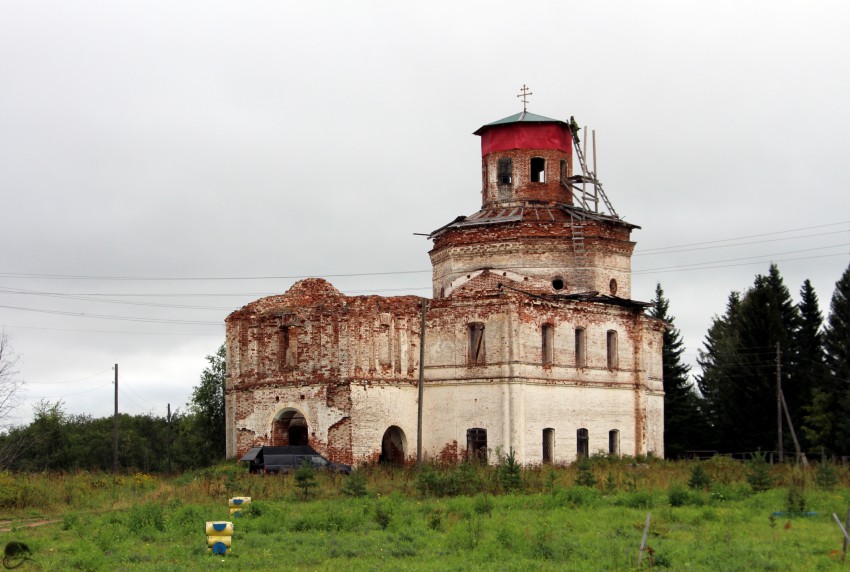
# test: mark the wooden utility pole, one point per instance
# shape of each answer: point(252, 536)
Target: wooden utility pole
point(779, 404)
point(169, 438)
point(115, 427)
point(801, 456)
point(421, 383)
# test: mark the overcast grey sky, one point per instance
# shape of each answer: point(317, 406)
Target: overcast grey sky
point(164, 163)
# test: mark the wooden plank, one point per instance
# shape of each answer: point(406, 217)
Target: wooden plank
point(643, 542)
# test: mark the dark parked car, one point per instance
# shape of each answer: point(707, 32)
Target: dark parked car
point(286, 459)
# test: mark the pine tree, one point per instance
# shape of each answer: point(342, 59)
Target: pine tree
point(837, 347)
point(684, 426)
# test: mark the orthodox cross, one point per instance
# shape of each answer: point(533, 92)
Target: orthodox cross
point(524, 93)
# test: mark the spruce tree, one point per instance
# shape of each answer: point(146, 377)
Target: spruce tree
point(818, 410)
point(739, 365)
point(684, 427)
point(768, 317)
point(837, 347)
point(717, 361)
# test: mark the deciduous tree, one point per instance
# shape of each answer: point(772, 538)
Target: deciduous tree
point(207, 406)
point(10, 384)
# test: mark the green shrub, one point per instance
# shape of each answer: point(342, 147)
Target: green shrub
point(678, 495)
point(509, 473)
point(585, 477)
point(580, 496)
point(145, 517)
point(637, 499)
point(354, 484)
point(457, 480)
point(758, 473)
point(610, 483)
point(699, 478)
point(826, 475)
point(482, 504)
point(382, 516)
point(795, 498)
point(435, 520)
point(305, 479)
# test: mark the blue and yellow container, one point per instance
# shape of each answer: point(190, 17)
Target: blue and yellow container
point(238, 505)
point(219, 536)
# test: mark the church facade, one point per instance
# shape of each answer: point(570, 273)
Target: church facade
point(532, 342)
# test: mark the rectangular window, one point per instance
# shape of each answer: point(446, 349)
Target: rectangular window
point(581, 348)
point(476, 343)
point(548, 332)
point(612, 349)
point(505, 171)
point(538, 170)
point(288, 347)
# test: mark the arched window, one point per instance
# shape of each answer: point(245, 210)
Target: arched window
point(476, 343)
point(613, 359)
point(538, 170)
point(548, 334)
point(548, 445)
point(614, 442)
point(476, 444)
point(583, 443)
point(581, 348)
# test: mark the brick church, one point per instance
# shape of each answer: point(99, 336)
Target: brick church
point(532, 342)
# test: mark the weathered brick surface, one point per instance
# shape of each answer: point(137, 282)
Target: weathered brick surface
point(343, 370)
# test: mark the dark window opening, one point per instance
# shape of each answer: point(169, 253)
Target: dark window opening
point(393, 446)
point(564, 171)
point(538, 170)
point(548, 332)
point(548, 446)
point(583, 443)
point(476, 343)
point(289, 429)
point(505, 171)
point(558, 283)
point(612, 286)
point(476, 444)
point(611, 339)
point(614, 442)
point(581, 348)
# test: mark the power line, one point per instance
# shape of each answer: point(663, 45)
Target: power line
point(12, 326)
point(666, 250)
point(69, 381)
point(68, 394)
point(110, 317)
point(685, 268)
point(201, 278)
point(749, 236)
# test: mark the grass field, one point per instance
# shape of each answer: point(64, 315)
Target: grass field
point(454, 518)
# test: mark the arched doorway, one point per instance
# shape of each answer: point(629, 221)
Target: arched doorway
point(393, 446)
point(289, 428)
